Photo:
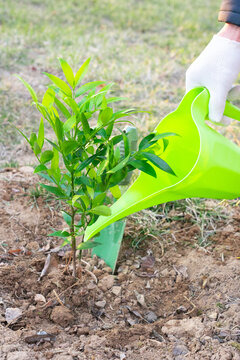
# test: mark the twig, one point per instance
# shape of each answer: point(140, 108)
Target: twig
point(58, 298)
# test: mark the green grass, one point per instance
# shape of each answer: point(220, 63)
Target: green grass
point(143, 46)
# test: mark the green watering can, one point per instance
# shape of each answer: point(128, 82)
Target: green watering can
point(207, 165)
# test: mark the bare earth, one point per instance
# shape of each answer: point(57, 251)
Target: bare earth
point(170, 299)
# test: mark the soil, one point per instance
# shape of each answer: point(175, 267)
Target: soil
point(169, 299)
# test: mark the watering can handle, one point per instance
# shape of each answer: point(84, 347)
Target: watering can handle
point(232, 111)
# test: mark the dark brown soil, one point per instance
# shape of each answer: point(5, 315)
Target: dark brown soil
point(169, 299)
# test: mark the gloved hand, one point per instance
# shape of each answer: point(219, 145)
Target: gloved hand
point(216, 68)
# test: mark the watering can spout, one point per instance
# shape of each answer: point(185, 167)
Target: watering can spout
point(206, 164)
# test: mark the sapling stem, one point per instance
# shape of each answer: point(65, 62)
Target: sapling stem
point(72, 229)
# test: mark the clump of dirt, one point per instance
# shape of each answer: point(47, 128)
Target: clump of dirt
point(169, 299)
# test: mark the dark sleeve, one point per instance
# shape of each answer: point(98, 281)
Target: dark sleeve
point(230, 12)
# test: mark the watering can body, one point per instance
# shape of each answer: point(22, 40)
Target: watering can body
point(206, 164)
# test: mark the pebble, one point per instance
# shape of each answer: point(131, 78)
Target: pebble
point(12, 314)
point(140, 298)
point(150, 316)
point(117, 290)
point(83, 331)
point(179, 350)
point(107, 269)
point(39, 298)
point(165, 272)
point(106, 283)
point(100, 304)
point(62, 316)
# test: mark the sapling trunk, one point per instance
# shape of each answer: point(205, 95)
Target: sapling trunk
point(73, 241)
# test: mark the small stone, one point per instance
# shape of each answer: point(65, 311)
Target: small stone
point(148, 286)
point(213, 315)
point(140, 298)
point(91, 286)
point(181, 309)
point(132, 322)
point(165, 272)
point(107, 269)
point(12, 314)
point(180, 350)
point(62, 316)
point(39, 298)
point(101, 264)
point(97, 272)
point(100, 304)
point(106, 283)
point(117, 290)
point(123, 269)
point(150, 316)
point(83, 331)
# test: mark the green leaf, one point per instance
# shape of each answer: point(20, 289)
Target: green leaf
point(88, 86)
point(60, 233)
point(116, 139)
point(86, 162)
point(105, 116)
point(36, 149)
point(60, 83)
point(53, 189)
point(116, 192)
point(69, 124)
point(102, 167)
point(88, 245)
point(165, 144)
point(67, 71)
point(163, 135)
point(101, 210)
point(90, 150)
point(81, 72)
point(68, 146)
point(59, 129)
point(73, 105)
point(85, 124)
point(39, 168)
point(46, 156)
point(126, 144)
point(143, 166)
point(67, 218)
point(120, 165)
point(84, 180)
point(160, 163)
point(62, 108)
point(30, 89)
point(145, 141)
point(40, 139)
point(98, 200)
point(53, 145)
point(48, 98)
point(33, 139)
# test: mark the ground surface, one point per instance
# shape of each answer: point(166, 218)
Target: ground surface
point(181, 301)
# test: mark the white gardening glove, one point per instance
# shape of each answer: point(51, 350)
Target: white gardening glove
point(216, 68)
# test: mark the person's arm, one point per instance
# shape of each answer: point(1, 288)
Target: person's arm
point(218, 66)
